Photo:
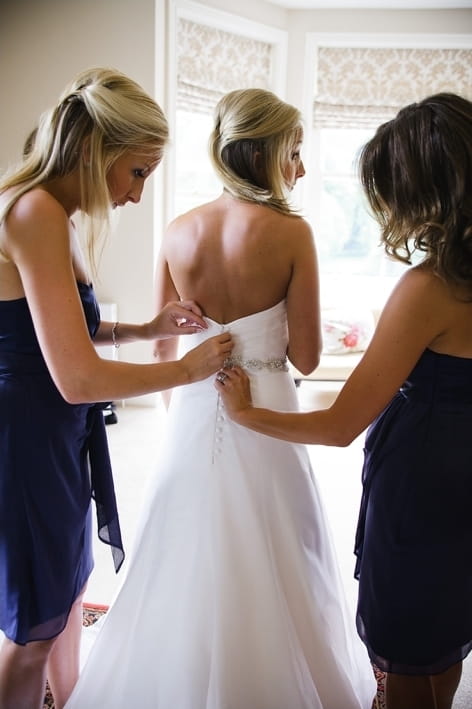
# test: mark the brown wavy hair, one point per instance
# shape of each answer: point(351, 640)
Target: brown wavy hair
point(417, 176)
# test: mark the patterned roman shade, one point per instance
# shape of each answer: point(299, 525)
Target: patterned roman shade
point(365, 86)
point(211, 62)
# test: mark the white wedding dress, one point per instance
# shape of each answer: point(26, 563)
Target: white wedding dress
point(232, 598)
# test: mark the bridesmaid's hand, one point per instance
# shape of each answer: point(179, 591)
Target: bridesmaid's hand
point(208, 357)
point(182, 317)
point(234, 387)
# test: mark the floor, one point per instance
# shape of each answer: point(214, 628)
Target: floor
point(134, 447)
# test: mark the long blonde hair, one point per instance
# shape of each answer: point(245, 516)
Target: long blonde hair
point(104, 111)
point(253, 134)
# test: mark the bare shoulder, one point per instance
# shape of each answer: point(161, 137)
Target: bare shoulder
point(418, 310)
point(422, 284)
point(35, 206)
point(34, 213)
point(299, 237)
point(191, 220)
point(298, 225)
point(419, 276)
point(291, 231)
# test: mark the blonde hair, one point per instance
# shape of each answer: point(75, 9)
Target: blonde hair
point(99, 116)
point(253, 134)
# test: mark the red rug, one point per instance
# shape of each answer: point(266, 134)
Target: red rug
point(379, 701)
point(92, 612)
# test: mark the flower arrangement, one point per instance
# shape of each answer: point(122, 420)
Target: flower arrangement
point(346, 332)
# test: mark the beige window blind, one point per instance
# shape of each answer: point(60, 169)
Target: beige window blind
point(365, 86)
point(211, 62)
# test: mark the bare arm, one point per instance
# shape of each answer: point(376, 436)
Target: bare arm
point(412, 319)
point(37, 241)
point(174, 318)
point(164, 290)
point(303, 302)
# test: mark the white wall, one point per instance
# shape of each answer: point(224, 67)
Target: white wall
point(44, 43)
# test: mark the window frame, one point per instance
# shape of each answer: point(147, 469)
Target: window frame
point(167, 15)
point(310, 186)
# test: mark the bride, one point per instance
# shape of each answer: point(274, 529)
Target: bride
point(232, 598)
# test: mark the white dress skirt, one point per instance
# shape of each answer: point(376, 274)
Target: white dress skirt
point(232, 597)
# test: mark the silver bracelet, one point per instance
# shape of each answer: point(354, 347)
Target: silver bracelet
point(113, 335)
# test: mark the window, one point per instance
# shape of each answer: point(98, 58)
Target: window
point(211, 52)
point(353, 265)
point(358, 86)
point(196, 181)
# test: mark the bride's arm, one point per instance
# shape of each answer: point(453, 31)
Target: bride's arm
point(164, 292)
point(303, 301)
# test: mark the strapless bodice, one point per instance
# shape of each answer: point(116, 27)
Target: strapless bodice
point(17, 333)
point(440, 378)
point(260, 339)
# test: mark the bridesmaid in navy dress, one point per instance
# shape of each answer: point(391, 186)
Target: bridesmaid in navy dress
point(91, 152)
point(414, 388)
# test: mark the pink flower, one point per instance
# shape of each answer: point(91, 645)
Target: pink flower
point(351, 338)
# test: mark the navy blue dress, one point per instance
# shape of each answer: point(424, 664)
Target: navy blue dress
point(414, 537)
point(53, 459)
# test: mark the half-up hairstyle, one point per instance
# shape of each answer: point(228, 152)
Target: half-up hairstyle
point(254, 133)
point(101, 115)
point(417, 175)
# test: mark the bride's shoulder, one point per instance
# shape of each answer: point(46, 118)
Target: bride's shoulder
point(202, 211)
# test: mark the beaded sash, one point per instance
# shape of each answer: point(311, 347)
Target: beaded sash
point(273, 363)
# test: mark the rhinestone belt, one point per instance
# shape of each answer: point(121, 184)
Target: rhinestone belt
point(273, 363)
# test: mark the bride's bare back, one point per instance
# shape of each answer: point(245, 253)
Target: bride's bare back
point(235, 258)
point(247, 250)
